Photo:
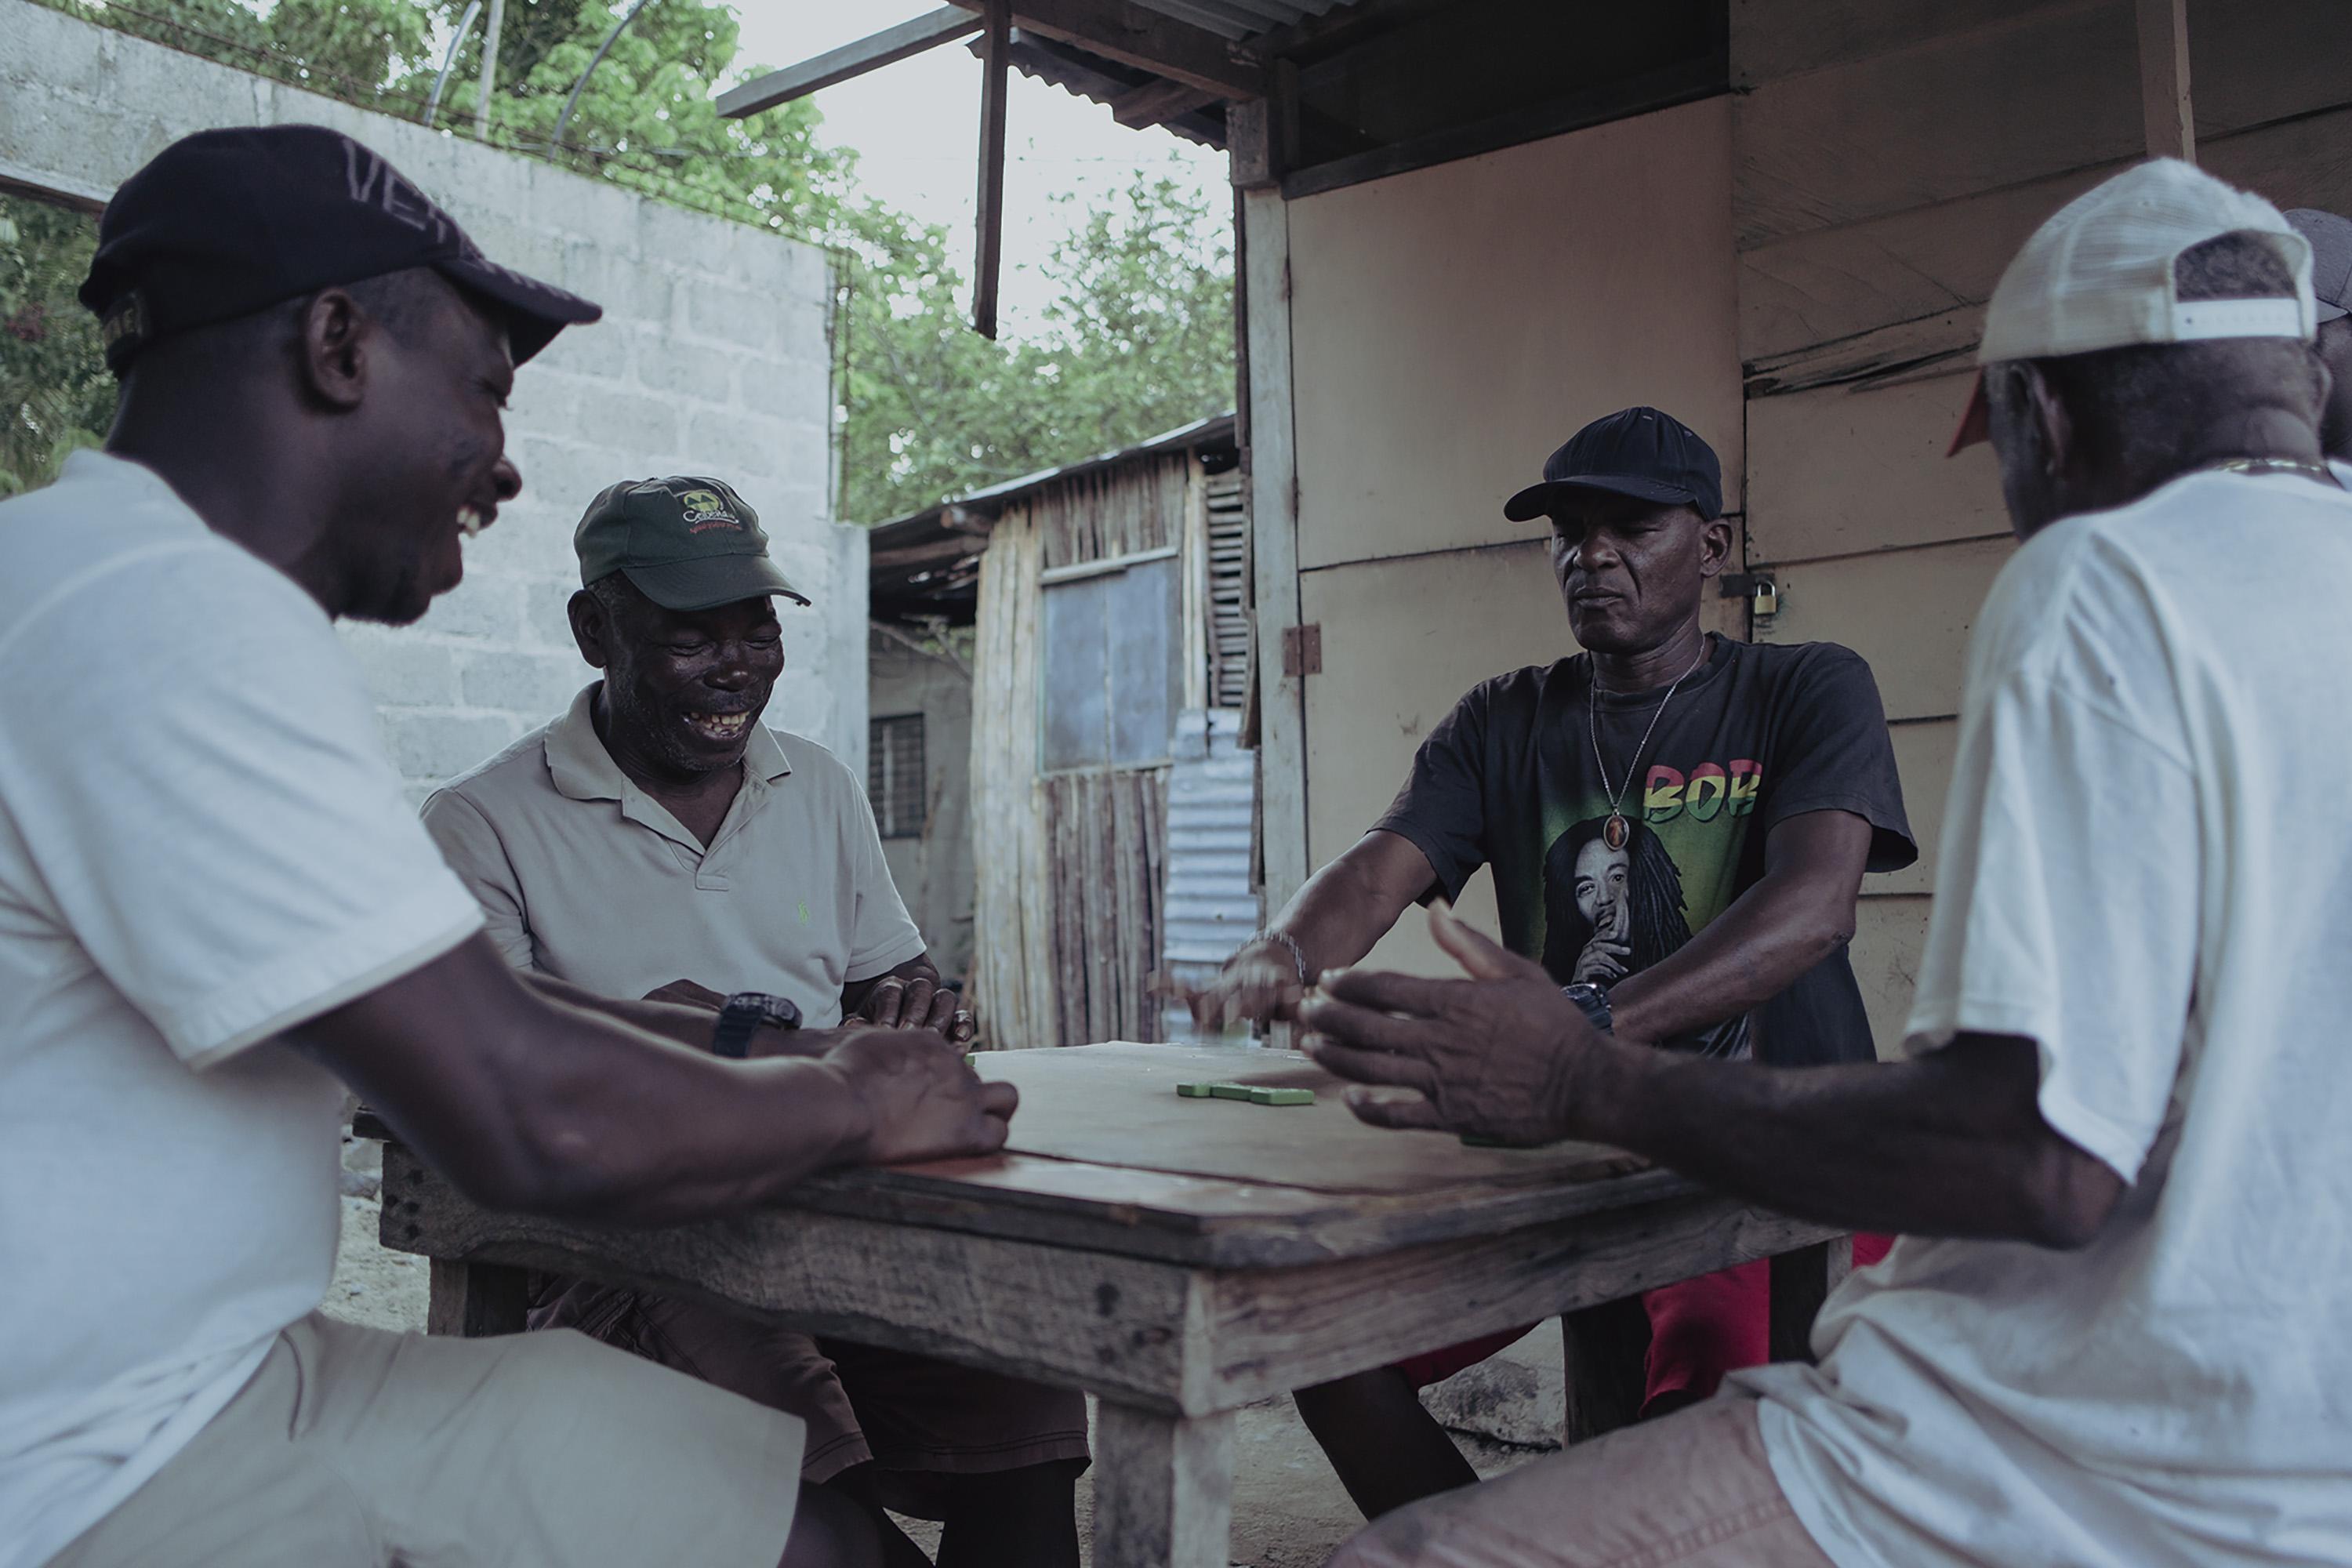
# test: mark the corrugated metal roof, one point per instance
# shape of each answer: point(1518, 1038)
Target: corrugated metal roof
point(1208, 907)
point(1243, 19)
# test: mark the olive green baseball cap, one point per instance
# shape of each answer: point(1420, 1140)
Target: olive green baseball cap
point(687, 543)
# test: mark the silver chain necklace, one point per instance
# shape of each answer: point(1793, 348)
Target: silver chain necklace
point(1616, 831)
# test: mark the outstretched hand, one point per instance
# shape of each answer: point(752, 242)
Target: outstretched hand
point(1497, 1055)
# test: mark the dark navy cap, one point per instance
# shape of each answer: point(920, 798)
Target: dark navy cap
point(2330, 238)
point(1636, 452)
point(224, 223)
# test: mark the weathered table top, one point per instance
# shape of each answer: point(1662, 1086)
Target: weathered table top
point(1180, 1257)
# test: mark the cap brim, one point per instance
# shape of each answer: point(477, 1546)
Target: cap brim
point(535, 311)
point(712, 581)
point(1543, 500)
point(1976, 424)
point(2328, 313)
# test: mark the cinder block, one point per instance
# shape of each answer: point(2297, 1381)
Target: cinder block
point(406, 672)
point(439, 746)
point(616, 421)
point(746, 450)
point(483, 605)
point(531, 687)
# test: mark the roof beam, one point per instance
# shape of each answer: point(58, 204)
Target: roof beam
point(2171, 124)
point(996, 69)
point(888, 47)
point(1123, 31)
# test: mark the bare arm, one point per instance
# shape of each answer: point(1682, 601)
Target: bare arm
point(1951, 1144)
point(1798, 913)
point(1335, 918)
point(538, 1105)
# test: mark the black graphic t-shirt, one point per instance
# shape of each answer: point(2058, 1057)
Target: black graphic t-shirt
point(1763, 732)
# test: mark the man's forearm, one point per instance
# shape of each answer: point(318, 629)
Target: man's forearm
point(670, 1020)
point(1951, 1144)
point(1750, 953)
point(1339, 914)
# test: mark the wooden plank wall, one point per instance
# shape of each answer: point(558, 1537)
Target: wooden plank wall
point(1070, 867)
point(1891, 155)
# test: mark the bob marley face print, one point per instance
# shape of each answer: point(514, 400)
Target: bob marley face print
point(1613, 909)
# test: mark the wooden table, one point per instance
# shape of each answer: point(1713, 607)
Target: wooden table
point(1177, 1257)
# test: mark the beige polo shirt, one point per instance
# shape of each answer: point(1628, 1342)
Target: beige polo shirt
point(583, 876)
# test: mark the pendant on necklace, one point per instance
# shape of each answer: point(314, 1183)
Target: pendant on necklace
point(1614, 832)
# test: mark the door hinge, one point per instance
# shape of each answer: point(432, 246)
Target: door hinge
point(1302, 650)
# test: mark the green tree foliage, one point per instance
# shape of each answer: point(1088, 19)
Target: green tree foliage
point(54, 391)
point(1139, 340)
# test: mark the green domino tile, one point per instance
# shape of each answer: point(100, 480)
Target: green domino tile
point(1282, 1097)
point(1230, 1091)
point(1194, 1091)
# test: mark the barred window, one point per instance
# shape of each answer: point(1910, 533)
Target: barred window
point(894, 773)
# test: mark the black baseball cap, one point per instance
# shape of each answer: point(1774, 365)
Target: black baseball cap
point(1636, 452)
point(224, 223)
point(687, 541)
point(2330, 239)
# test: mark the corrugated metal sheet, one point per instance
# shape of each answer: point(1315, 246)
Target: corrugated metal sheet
point(1243, 19)
point(1212, 801)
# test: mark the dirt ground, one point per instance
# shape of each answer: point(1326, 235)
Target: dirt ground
point(1288, 1508)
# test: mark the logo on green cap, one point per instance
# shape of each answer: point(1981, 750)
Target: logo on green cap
point(706, 509)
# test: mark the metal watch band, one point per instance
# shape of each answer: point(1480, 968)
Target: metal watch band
point(740, 1016)
point(1593, 1003)
point(1298, 955)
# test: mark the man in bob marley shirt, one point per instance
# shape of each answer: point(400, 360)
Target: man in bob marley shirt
point(1678, 827)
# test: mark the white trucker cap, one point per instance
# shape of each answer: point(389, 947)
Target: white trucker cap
point(2099, 275)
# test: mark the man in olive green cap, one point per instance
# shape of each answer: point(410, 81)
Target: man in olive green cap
point(659, 840)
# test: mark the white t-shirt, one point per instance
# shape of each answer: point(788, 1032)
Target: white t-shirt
point(2148, 869)
point(201, 843)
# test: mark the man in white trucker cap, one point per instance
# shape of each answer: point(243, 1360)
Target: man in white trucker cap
point(2111, 1334)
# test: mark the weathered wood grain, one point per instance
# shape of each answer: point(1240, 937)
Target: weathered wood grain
point(1163, 1488)
point(475, 1300)
point(1272, 461)
point(1117, 1104)
point(1271, 1329)
point(1840, 472)
point(1908, 612)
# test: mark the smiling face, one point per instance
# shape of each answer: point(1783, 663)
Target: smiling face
point(1630, 571)
point(435, 468)
point(682, 688)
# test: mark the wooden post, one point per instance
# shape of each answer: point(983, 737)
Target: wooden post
point(476, 1300)
point(2164, 79)
point(1274, 498)
point(996, 64)
point(1604, 1356)
point(1801, 1281)
point(1163, 1488)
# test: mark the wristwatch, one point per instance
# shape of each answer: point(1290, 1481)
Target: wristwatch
point(740, 1016)
point(1593, 1003)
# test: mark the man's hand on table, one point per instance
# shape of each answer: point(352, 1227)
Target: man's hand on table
point(912, 997)
point(922, 1098)
point(1501, 1055)
point(1260, 982)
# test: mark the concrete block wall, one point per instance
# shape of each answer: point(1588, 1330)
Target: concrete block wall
point(713, 358)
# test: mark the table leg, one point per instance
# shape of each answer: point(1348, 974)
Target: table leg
point(1801, 1281)
point(1163, 1488)
point(1605, 1347)
point(476, 1300)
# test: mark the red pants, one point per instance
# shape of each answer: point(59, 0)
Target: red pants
point(1699, 1329)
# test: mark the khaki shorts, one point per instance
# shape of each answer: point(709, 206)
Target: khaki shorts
point(353, 1447)
point(1691, 1491)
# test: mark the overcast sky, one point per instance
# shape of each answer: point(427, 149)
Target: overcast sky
point(916, 127)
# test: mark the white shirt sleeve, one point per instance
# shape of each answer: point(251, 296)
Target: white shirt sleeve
point(207, 805)
point(2067, 890)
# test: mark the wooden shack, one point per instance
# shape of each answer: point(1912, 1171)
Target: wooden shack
point(1468, 228)
point(1108, 605)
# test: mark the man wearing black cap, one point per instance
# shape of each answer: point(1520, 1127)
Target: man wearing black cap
point(216, 911)
point(659, 839)
point(1678, 826)
point(2331, 287)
